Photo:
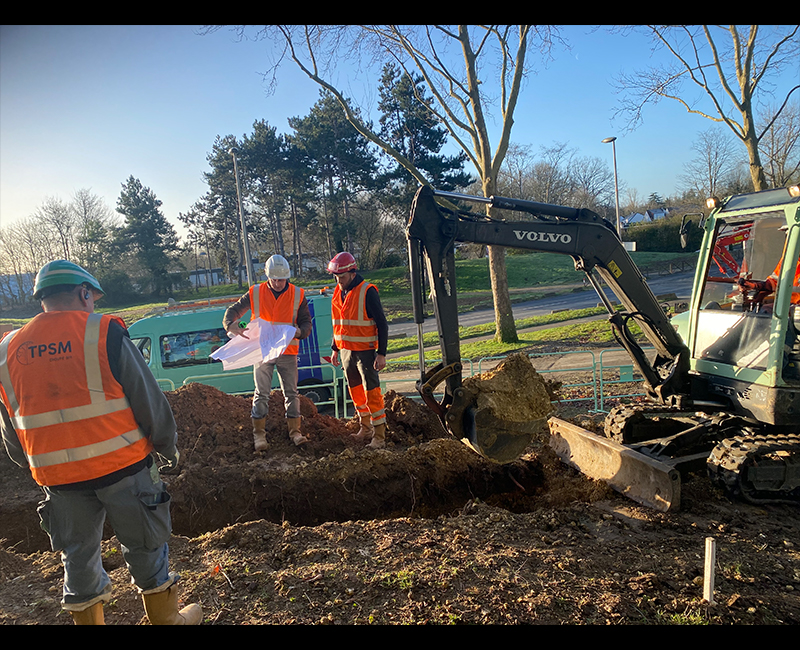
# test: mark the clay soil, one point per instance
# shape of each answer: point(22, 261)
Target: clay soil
point(423, 531)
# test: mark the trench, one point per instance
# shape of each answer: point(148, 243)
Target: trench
point(379, 485)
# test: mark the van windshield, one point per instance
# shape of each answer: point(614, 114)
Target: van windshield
point(191, 348)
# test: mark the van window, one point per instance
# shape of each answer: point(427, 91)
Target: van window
point(144, 347)
point(191, 348)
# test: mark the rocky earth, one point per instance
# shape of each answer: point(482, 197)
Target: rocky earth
point(423, 531)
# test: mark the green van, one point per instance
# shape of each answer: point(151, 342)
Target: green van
point(177, 343)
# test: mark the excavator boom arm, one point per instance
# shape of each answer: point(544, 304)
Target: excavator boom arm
point(582, 234)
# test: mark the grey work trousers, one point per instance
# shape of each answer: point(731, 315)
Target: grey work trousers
point(137, 508)
point(286, 365)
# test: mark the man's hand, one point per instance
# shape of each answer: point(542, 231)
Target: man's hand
point(752, 285)
point(170, 462)
point(380, 362)
point(236, 329)
point(335, 358)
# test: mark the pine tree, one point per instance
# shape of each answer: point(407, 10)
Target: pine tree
point(146, 235)
point(409, 125)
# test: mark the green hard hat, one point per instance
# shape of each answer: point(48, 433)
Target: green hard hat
point(62, 272)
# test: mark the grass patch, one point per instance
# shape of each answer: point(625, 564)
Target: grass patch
point(487, 329)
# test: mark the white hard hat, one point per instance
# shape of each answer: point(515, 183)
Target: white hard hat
point(277, 268)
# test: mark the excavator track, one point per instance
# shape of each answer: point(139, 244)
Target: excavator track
point(758, 468)
point(627, 424)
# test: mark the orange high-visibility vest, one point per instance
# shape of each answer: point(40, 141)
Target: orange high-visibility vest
point(283, 310)
point(795, 299)
point(71, 416)
point(352, 328)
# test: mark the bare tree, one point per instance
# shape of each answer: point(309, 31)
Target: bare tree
point(514, 176)
point(92, 220)
point(779, 147)
point(713, 164)
point(592, 183)
point(491, 71)
point(56, 217)
point(730, 79)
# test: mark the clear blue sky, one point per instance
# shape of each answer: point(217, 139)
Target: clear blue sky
point(89, 106)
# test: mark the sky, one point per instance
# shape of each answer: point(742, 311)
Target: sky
point(86, 107)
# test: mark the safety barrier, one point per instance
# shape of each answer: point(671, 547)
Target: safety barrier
point(581, 385)
point(592, 385)
point(603, 375)
point(626, 374)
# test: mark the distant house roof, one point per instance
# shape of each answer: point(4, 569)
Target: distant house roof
point(647, 217)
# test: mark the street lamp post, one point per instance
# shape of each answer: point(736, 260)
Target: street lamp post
point(616, 186)
point(249, 262)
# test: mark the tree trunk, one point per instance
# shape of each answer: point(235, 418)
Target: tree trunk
point(756, 168)
point(505, 327)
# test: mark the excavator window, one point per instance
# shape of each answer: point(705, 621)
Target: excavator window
point(734, 324)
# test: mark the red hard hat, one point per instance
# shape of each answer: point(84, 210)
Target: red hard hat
point(342, 263)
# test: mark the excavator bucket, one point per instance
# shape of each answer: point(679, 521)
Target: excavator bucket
point(631, 473)
point(499, 440)
point(500, 412)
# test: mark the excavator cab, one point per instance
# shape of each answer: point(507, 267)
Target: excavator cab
point(743, 330)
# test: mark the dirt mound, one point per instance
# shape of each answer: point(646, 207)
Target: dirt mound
point(513, 390)
point(423, 471)
point(508, 409)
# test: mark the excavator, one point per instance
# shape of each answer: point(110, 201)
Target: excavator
point(723, 394)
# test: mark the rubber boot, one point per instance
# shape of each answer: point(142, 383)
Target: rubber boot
point(365, 431)
point(379, 437)
point(162, 609)
point(260, 434)
point(294, 431)
point(90, 616)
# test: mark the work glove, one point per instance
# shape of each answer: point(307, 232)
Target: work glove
point(170, 465)
point(753, 285)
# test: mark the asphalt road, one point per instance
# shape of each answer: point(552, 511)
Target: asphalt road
point(678, 283)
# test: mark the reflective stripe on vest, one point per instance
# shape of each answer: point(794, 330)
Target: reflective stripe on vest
point(91, 423)
point(268, 308)
point(352, 328)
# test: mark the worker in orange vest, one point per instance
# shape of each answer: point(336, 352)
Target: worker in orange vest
point(81, 409)
point(360, 336)
point(764, 290)
point(277, 301)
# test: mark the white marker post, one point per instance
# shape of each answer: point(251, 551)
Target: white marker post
point(708, 578)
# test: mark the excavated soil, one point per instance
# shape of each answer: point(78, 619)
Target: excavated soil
point(423, 531)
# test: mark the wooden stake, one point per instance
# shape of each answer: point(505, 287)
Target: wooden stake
point(708, 578)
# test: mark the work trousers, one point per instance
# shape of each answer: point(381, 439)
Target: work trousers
point(286, 365)
point(137, 508)
point(363, 383)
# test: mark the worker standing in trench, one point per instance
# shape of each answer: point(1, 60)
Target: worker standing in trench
point(360, 337)
point(79, 406)
point(276, 301)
